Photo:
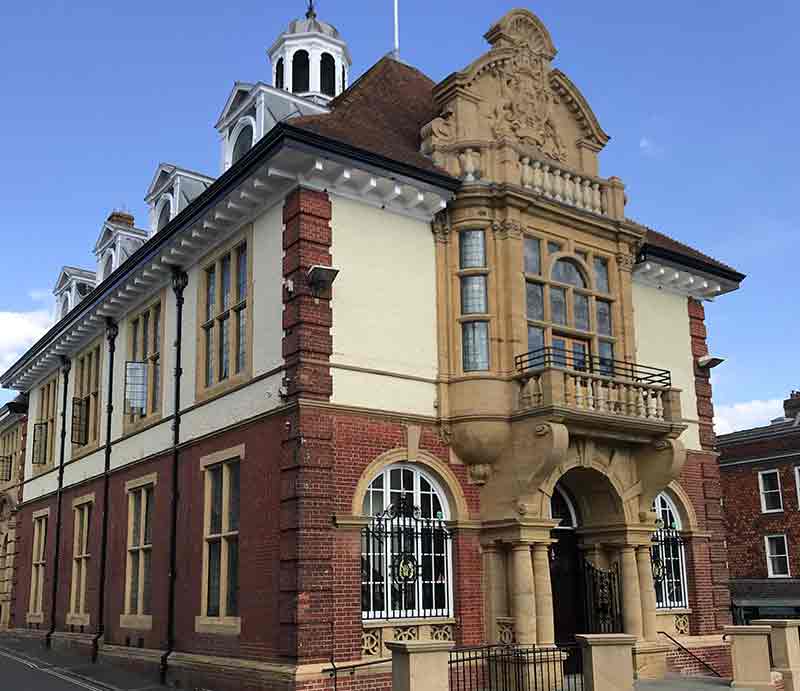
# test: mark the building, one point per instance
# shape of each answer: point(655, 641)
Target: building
point(13, 433)
point(760, 470)
point(404, 370)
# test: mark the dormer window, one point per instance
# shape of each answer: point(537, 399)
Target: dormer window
point(165, 214)
point(279, 77)
point(243, 143)
point(328, 74)
point(64, 306)
point(300, 72)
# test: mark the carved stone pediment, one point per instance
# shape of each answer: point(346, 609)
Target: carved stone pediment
point(510, 105)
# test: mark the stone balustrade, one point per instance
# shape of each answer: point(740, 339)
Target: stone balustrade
point(563, 185)
point(597, 393)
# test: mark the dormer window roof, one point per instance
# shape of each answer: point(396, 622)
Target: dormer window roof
point(171, 191)
point(118, 240)
point(72, 286)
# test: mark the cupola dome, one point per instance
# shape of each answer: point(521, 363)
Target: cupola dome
point(310, 59)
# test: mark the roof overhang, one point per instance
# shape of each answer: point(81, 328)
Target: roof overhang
point(285, 158)
point(679, 273)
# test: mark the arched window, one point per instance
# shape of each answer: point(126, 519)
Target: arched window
point(164, 215)
point(300, 72)
point(279, 74)
point(569, 314)
point(406, 555)
point(243, 144)
point(668, 557)
point(64, 306)
point(327, 68)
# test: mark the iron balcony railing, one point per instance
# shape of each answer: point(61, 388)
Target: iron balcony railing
point(548, 357)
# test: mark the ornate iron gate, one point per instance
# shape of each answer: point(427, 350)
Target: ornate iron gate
point(602, 600)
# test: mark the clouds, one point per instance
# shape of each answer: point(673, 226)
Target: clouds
point(650, 148)
point(20, 330)
point(739, 416)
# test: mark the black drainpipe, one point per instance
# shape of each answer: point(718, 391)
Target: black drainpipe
point(179, 281)
point(66, 365)
point(112, 331)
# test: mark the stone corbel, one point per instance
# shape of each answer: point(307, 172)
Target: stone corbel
point(658, 464)
point(479, 443)
point(547, 450)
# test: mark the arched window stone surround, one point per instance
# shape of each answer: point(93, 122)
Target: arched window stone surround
point(165, 201)
point(439, 470)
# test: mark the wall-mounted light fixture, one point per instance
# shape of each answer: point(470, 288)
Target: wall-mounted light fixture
point(321, 278)
point(709, 361)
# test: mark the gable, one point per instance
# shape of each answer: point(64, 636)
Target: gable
point(511, 100)
point(240, 92)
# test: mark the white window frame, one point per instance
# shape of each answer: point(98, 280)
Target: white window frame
point(797, 484)
point(761, 492)
point(788, 573)
point(664, 505)
point(38, 566)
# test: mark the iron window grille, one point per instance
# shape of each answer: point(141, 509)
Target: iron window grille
point(5, 468)
point(405, 565)
point(80, 421)
point(40, 443)
point(667, 555)
point(136, 387)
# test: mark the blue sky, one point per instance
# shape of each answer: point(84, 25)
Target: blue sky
point(699, 100)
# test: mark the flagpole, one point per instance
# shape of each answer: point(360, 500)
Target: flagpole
point(396, 31)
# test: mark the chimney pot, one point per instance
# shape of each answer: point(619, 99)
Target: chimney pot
point(791, 406)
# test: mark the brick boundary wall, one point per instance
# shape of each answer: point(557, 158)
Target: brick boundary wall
point(718, 656)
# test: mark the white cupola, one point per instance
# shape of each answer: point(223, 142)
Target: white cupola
point(310, 59)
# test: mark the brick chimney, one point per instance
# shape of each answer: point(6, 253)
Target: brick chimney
point(791, 406)
point(121, 218)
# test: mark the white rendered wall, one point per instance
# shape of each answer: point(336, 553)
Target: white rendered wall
point(661, 320)
point(384, 309)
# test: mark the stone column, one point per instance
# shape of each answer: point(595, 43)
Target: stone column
point(631, 597)
point(545, 629)
point(420, 665)
point(496, 599)
point(750, 656)
point(607, 662)
point(648, 593)
point(523, 594)
point(785, 643)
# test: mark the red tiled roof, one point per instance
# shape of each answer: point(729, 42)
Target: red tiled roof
point(382, 112)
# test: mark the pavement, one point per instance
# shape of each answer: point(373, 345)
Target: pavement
point(26, 665)
point(678, 683)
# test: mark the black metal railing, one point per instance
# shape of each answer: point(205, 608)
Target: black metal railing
point(517, 668)
point(602, 600)
point(405, 564)
point(547, 357)
point(335, 671)
point(668, 559)
point(688, 652)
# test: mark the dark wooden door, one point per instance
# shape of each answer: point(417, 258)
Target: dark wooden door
point(565, 577)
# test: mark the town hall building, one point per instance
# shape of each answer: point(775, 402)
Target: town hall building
point(403, 370)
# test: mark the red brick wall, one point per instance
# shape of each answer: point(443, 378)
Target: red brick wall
point(747, 525)
point(718, 657)
point(709, 593)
